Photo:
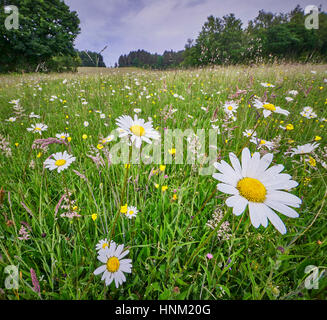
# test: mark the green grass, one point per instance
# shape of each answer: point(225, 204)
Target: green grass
point(249, 265)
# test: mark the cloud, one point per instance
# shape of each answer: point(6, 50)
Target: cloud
point(156, 25)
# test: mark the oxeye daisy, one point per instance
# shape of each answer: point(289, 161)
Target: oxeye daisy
point(62, 136)
point(269, 108)
point(305, 149)
point(38, 127)
point(267, 85)
point(252, 184)
point(137, 130)
point(249, 133)
point(60, 161)
point(102, 244)
point(11, 119)
point(230, 107)
point(108, 139)
point(131, 212)
point(114, 265)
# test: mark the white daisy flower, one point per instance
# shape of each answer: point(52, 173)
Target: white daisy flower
point(269, 108)
point(131, 212)
point(114, 265)
point(62, 136)
point(11, 119)
point(86, 123)
point(138, 130)
point(305, 149)
point(293, 92)
point(136, 110)
point(230, 107)
point(249, 133)
point(267, 85)
point(33, 115)
point(102, 244)
point(289, 99)
point(108, 139)
point(253, 184)
point(60, 161)
point(38, 127)
point(262, 143)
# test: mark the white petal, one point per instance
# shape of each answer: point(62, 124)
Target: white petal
point(254, 214)
point(238, 203)
point(282, 208)
point(276, 221)
point(100, 270)
point(226, 188)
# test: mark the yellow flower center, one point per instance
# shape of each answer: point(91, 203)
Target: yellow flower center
point(131, 212)
point(137, 130)
point(230, 108)
point(252, 189)
point(37, 129)
point(113, 264)
point(63, 137)
point(269, 106)
point(60, 162)
point(104, 245)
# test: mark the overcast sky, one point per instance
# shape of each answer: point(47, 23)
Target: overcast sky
point(159, 25)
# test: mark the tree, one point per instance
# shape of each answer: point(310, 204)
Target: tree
point(46, 29)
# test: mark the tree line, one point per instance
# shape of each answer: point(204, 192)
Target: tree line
point(267, 38)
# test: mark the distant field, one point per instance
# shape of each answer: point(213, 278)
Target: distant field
point(51, 221)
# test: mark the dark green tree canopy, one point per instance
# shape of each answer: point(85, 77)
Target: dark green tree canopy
point(47, 28)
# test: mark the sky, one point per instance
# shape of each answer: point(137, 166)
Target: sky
point(159, 25)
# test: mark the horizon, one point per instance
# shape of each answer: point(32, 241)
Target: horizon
point(156, 26)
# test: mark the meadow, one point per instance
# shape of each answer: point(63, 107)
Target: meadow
point(182, 237)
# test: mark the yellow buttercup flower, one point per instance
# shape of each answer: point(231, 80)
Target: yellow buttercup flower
point(123, 209)
point(94, 216)
point(289, 127)
point(84, 136)
point(162, 167)
point(164, 188)
point(317, 138)
point(312, 162)
point(100, 146)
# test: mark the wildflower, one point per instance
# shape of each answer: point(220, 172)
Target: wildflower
point(209, 256)
point(172, 151)
point(108, 139)
point(156, 185)
point(24, 235)
point(269, 108)
point(289, 127)
point(136, 110)
point(305, 149)
point(253, 184)
point(94, 216)
point(249, 133)
point(62, 136)
point(317, 138)
point(11, 119)
point(60, 161)
point(86, 123)
point(164, 188)
point(84, 136)
point(312, 161)
point(123, 209)
point(131, 212)
point(114, 265)
point(102, 244)
point(39, 127)
point(293, 92)
point(35, 282)
point(162, 167)
point(224, 232)
point(267, 85)
point(138, 130)
point(230, 107)
point(99, 146)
